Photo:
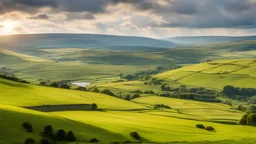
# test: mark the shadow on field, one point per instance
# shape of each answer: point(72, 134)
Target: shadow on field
point(67, 107)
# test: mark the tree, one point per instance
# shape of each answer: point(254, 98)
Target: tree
point(108, 92)
point(48, 129)
point(54, 84)
point(42, 83)
point(61, 134)
point(70, 136)
point(229, 90)
point(129, 77)
point(81, 88)
point(45, 140)
point(94, 140)
point(251, 119)
point(65, 86)
point(201, 126)
point(135, 135)
point(27, 126)
point(30, 141)
point(94, 106)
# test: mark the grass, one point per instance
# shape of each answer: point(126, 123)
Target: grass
point(13, 117)
point(158, 128)
point(215, 74)
point(195, 110)
point(119, 120)
point(17, 94)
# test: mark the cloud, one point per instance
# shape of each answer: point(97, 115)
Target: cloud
point(138, 17)
point(39, 16)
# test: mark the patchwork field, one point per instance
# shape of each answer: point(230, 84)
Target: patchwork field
point(215, 74)
point(119, 118)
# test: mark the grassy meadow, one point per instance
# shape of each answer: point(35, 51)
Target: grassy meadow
point(115, 117)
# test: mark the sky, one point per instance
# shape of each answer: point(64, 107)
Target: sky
point(149, 18)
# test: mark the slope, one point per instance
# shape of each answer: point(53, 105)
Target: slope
point(215, 74)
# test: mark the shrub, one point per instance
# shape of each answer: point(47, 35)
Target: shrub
point(64, 86)
point(127, 97)
point(108, 92)
point(81, 88)
point(138, 91)
point(27, 126)
point(135, 135)
point(42, 83)
point(201, 126)
point(61, 134)
point(70, 136)
point(243, 121)
point(94, 106)
point(45, 140)
point(149, 92)
point(251, 119)
point(93, 140)
point(54, 84)
point(209, 128)
point(241, 107)
point(135, 96)
point(95, 90)
point(48, 129)
point(30, 141)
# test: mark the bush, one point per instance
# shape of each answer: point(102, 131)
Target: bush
point(61, 135)
point(149, 92)
point(201, 126)
point(251, 119)
point(93, 140)
point(30, 141)
point(70, 136)
point(81, 88)
point(48, 129)
point(94, 106)
point(127, 97)
point(54, 84)
point(108, 92)
point(95, 90)
point(209, 128)
point(135, 96)
point(27, 126)
point(45, 140)
point(42, 83)
point(64, 86)
point(135, 135)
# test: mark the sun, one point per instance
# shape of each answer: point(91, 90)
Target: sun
point(9, 25)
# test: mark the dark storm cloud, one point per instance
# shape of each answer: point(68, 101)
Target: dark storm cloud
point(175, 13)
point(39, 16)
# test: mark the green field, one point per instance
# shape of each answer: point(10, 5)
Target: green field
point(215, 74)
point(120, 118)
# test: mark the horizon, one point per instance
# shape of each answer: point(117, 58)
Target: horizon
point(145, 18)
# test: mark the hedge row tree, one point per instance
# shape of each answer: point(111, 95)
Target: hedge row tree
point(54, 84)
point(249, 118)
point(64, 86)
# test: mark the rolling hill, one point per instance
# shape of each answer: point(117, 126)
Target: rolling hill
point(202, 40)
point(35, 41)
point(118, 120)
point(214, 74)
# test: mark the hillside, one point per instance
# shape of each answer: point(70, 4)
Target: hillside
point(215, 74)
point(35, 41)
point(201, 40)
point(119, 118)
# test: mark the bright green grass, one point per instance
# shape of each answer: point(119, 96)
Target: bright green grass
point(13, 117)
point(216, 74)
point(159, 128)
point(18, 94)
point(223, 69)
point(193, 109)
